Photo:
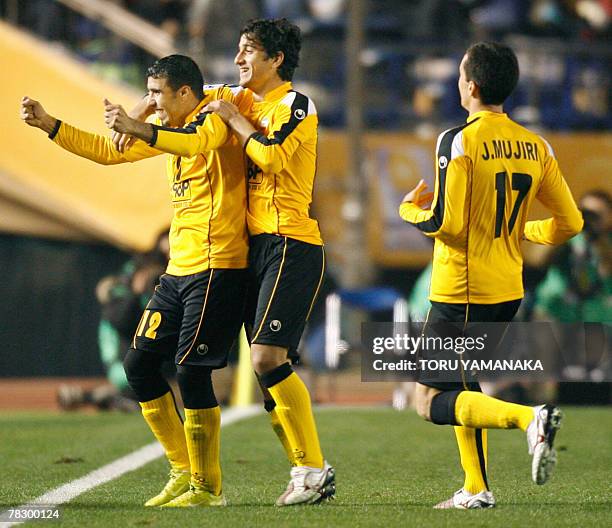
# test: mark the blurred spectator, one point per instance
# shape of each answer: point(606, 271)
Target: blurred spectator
point(590, 96)
point(578, 285)
point(122, 298)
point(578, 288)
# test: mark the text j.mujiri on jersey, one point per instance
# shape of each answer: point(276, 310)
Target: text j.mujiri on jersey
point(505, 148)
point(482, 365)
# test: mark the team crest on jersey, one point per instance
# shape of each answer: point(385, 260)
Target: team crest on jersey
point(442, 162)
point(299, 114)
point(275, 325)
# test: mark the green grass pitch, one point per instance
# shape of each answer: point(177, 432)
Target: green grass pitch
point(391, 468)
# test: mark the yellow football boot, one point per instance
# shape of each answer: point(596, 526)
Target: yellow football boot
point(196, 496)
point(176, 486)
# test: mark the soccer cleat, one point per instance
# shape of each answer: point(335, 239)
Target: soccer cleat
point(195, 497)
point(464, 500)
point(540, 437)
point(176, 486)
point(309, 486)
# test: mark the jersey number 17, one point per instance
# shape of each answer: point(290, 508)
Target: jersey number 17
point(521, 183)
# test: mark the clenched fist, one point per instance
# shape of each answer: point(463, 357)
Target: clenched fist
point(33, 114)
point(116, 119)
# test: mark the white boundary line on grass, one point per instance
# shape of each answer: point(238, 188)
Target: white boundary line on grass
point(113, 470)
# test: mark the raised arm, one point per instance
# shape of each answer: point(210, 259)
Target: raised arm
point(85, 144)
point(207, 132)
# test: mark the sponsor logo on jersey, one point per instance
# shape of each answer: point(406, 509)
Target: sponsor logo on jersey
point(254, 173)
point(299, 114)
point(181, 193)
point(442, 162)
point(181, 190)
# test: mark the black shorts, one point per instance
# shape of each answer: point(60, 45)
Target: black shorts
point(456, 313)
point(195, 318)
point(286, 276)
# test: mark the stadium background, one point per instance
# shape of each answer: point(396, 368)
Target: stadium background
point(383, 75)
point(67, 222)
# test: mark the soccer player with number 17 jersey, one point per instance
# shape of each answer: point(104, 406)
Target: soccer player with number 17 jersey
point(488, 173)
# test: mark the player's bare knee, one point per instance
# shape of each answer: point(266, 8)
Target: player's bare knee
point(263, 364)
point(423, 407)
point(423, 398)
point(266, 357)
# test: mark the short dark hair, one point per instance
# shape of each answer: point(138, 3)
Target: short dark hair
point(178, 70)
point(275, 36)
point(495, 70)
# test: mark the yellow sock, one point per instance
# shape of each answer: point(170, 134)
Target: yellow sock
point(165, 422)
point(277, 427)
point(477, 410)
point(202, 428)
point(473, 452)
point(295, 414)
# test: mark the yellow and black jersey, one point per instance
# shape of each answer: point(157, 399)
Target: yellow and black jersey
point(207, 187)
point(488, 173)
point(282, 163)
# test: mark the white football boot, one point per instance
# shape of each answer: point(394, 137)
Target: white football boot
point(309, 486)
point(464, 500)
point(540, 437)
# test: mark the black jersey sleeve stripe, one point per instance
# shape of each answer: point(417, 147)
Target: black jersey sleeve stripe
point(55, 130)
point(153, 136)
point(249, 138)
point(299, 110)
point(444, 150)
point(191, 128)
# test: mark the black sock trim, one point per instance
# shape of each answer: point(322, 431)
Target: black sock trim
point(481, 457)
point(276, 375)
point(443, 408)
point(269, 405)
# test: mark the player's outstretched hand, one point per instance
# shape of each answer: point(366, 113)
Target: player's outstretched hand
point(418, 196)
point(33, 114)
